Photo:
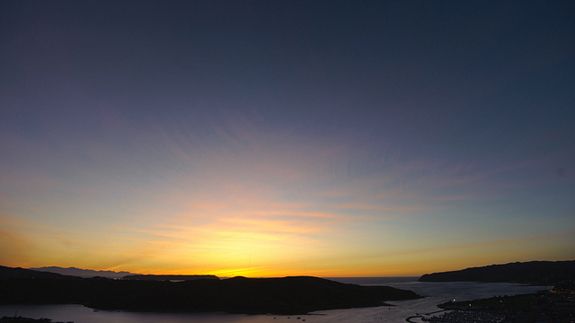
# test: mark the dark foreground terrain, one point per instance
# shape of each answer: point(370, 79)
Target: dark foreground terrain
point(533, 272)
point(288, 295)
point(557, 305)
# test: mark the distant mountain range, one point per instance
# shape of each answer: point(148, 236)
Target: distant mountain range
point(84, 273)
point(89, 273)
point(9, 273)
point(533, 272)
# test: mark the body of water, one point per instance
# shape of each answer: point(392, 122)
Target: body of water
point(435, 293)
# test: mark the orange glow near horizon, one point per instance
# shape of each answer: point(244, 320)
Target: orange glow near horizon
point(261, 246)
point(274, 210)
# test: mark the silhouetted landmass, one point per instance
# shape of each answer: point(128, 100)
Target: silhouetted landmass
point(288, 295)
point(19, 319)
point(170, 277)
point(85, 273)
point(533, 272)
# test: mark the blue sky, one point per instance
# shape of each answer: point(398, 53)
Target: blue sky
point(343, 138)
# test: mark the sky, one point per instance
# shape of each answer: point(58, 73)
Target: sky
point(272, 138)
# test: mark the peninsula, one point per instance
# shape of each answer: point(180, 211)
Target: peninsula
point(287, 295)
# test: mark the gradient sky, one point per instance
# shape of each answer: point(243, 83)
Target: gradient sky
point(262, 138)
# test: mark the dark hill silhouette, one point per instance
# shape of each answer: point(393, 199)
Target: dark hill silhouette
point(288, 295)
point(169, 277)
point(533, 272)
point(85, 273)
